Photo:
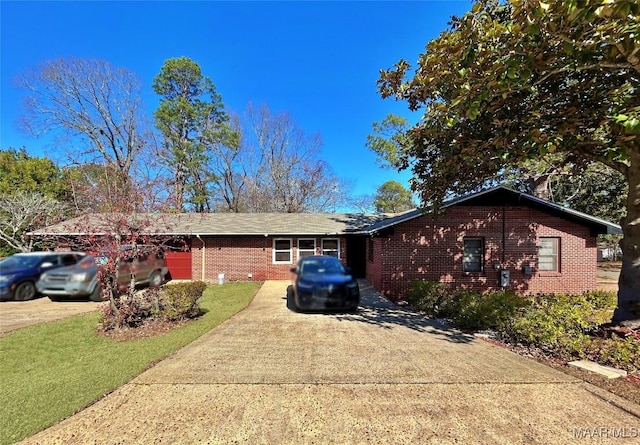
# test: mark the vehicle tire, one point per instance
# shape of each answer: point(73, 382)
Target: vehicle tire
point(155, 279)
point(25, 291)
point(96, 295)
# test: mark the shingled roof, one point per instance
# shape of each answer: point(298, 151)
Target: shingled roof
point(318, 224)
point(229, 224)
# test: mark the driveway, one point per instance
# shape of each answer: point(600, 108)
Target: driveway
point(383, 376)
point(20, 314)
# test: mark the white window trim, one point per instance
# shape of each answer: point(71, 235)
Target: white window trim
point(329, 239)
point(290, 250)
point(313, 252)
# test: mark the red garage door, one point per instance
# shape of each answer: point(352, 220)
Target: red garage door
point(179, 264)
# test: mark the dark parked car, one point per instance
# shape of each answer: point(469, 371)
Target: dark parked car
point(20, 272)
point(146, 264)
point(323, 283)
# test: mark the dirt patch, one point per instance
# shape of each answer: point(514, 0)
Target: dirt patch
point(150, 328)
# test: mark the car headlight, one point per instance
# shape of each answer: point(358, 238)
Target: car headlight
point(305, 286)
point(6, 278)
point(78, 277)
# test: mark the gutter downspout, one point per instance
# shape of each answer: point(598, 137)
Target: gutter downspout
point(204, 251)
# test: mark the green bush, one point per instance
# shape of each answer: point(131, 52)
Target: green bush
point(427, 296)
point(476, 311)
point(602, 299)
point(617, 352)
point(180, 301)
point(552, 320)
point(466, 308)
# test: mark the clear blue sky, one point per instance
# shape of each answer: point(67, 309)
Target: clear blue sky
point(317, 61)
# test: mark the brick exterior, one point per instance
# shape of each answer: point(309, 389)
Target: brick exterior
point(428, 249)
point(247, 258)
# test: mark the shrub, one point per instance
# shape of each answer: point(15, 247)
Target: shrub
point(554, 322)
point(618, 352)
point(467, 308)
point(128, 312)
point(172, 302)
point(492, 310)
point(602, 299)
point(427, 296)
point(180, 301)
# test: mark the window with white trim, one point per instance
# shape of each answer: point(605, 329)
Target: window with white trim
point(548, 258)
point(306, 247)
point(473, 255)
point(331, 246)
point(282, 251)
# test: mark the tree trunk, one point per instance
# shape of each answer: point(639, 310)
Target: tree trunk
point(540, 186)
point(628, 310)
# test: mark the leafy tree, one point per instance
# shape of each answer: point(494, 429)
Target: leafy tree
point(392, 197)
point(89, 103)
point(20, 172)
point(191, 119)
point(32, 192)
point(512, 82)
point(594, 189)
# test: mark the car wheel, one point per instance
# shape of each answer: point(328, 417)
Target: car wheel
point(25, 291)
point(96, 295)
point(155, 279)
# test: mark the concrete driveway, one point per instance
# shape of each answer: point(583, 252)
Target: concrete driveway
point(20, 314)
point(382, 376)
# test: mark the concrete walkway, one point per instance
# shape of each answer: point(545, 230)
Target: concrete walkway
point(383, 376)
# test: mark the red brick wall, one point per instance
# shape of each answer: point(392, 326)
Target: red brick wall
point(428, 249)
point(239, 257)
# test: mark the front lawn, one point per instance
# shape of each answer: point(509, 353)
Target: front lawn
point(52, 370)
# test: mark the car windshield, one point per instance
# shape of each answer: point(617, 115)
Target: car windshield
point(321, 265)
point(22, 261)
point(87, 262)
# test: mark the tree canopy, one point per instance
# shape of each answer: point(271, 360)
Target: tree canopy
point(392, 197)
point(191, 118)
point(513, 81)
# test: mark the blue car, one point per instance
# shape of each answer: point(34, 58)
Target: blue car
point(322, 283)
point(20, 272)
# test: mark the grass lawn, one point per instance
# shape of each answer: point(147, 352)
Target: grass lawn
point(52, 370)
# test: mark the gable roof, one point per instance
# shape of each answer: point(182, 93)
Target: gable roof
point(307, 224)
point(505, 196)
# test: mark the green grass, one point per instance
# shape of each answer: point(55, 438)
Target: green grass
point(50, 371)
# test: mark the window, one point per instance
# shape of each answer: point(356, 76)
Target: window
point(548, 255)
point(331, 246)
point(473, 254)
point(282, 251)
point(306, 247)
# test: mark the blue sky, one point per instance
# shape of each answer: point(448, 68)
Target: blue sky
point(317, 61)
